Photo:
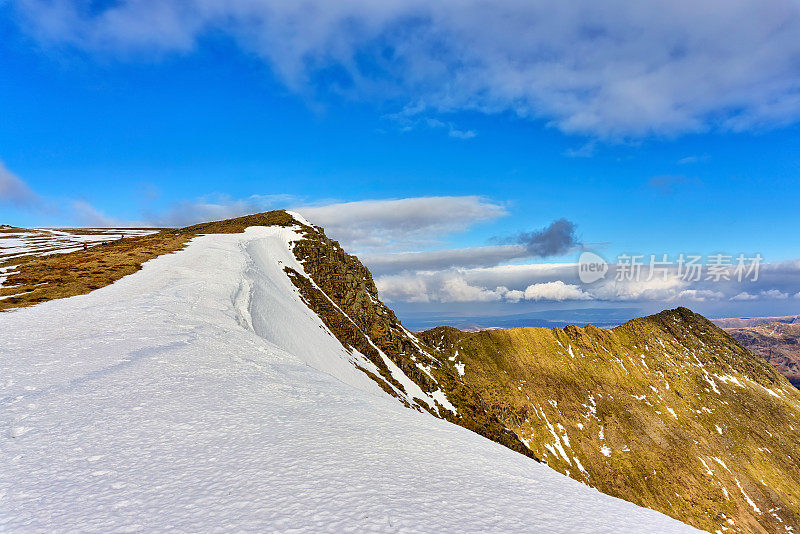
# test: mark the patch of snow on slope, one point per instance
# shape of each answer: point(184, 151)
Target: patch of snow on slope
point(708, 470)
point(198, 395)
point(730, 378)
point(747, 497)
point(271, 291)
point(299, 218)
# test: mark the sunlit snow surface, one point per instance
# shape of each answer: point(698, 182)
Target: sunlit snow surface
point(16, 242)
point(200, 395)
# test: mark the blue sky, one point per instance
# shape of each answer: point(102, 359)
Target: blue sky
point(119, 113)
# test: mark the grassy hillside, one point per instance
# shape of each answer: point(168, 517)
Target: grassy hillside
point(666, 411)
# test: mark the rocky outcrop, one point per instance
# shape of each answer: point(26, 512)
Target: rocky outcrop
point(778, 343)
point(342, 292)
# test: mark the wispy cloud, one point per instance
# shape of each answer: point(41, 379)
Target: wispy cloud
point(607, 70)
point(15, 192)
point(667, 184)
point(417, 116)
point(401, 223)
point(214, 208)
point(87, 215)
point(586, 150)
point(450, 128)
point(555, 239)
point(688, 160)
point(435, 260)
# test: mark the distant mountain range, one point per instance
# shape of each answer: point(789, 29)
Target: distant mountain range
point(776, 339)
point(745, 322)
point(778, 343)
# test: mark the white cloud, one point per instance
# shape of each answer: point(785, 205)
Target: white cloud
point(15, 192)
point(700, 295)
point(560, 282)
point(444, 286)
point(775, 294)
point(442, 259)
point(215, 208)
point(557, 290)
point(515, 295)
point(606, 69)
point(656, 289)
point(361, 226)
point(403, 288)
point(383, 224)
point(456, 289)
point(768, 294)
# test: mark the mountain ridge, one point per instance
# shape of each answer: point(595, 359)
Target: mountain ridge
point(669, 393)
point(202, 394)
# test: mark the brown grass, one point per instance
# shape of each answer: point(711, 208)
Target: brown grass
point(36, 279)
point(39, 279)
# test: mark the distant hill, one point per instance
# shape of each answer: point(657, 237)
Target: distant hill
point(778, 343)
point(743, 322)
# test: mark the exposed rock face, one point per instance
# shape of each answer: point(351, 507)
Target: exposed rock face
point(344, 295)
point(778, 343)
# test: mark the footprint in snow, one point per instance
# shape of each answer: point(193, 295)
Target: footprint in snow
point(19, 431)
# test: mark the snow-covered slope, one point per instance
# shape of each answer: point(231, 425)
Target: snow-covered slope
point(201, 394)
point(15, 242)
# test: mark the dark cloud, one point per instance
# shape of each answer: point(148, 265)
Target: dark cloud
point(555, 240)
